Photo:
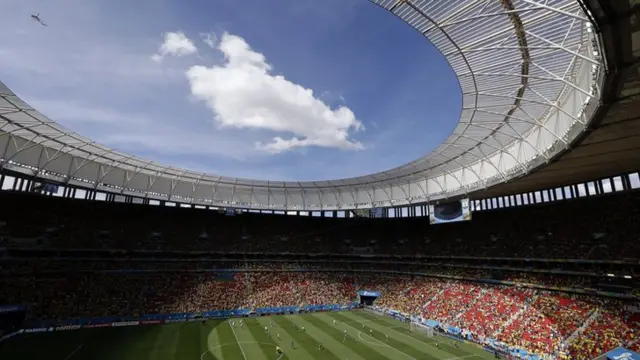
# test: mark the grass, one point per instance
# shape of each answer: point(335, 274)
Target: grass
point(218, 340)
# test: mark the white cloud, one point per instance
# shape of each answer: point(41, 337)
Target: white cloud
point(175, 44)
point(244, 94)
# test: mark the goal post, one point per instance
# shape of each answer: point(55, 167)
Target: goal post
point(423, 329)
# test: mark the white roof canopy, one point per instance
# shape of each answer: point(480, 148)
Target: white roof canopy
point(529, 72)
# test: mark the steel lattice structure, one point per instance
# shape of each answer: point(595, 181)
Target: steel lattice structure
point(530, 73)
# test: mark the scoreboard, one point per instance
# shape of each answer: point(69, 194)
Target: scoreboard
point(450, 212)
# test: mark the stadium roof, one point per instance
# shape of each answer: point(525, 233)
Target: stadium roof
point(611, 145)
point(530, 74)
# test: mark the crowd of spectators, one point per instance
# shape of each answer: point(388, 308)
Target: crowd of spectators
point(614, 327)
point(492, 309)
point(96, 294)
point(605, 227)
point(536, 320)
point(40, 262)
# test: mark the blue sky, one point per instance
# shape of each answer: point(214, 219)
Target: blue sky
point(277, 90)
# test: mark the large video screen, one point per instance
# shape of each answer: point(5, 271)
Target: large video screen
point(450, 212)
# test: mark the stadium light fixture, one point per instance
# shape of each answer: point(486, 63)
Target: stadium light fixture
point(610, 275)
point(627, 276)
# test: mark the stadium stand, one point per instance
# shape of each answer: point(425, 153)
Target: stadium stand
point(536, 320)
point(540, 304)
point(589, 228)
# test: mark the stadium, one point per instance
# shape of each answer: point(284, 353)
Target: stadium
point(516, 237)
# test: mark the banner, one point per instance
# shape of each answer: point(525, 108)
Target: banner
point(125, 323)
point(369, 293)
point(11, 308)
point(67, 327)
point(151, 322)
point(35, 330)
point(621, 353)
point(93, 326)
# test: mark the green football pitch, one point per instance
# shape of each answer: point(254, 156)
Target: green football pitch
point(218, 340)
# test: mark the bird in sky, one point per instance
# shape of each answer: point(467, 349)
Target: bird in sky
point(37, 18)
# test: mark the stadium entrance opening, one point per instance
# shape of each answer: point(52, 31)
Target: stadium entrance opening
point(368, 297)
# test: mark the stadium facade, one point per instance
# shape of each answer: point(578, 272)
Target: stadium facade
point(531, 77)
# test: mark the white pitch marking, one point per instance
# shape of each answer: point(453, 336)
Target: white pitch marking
point(238, 341)
point(74, 352)
point(369, 341)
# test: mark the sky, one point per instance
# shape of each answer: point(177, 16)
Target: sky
point(271, 90)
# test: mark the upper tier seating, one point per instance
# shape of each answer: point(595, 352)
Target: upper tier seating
point(606, 227)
